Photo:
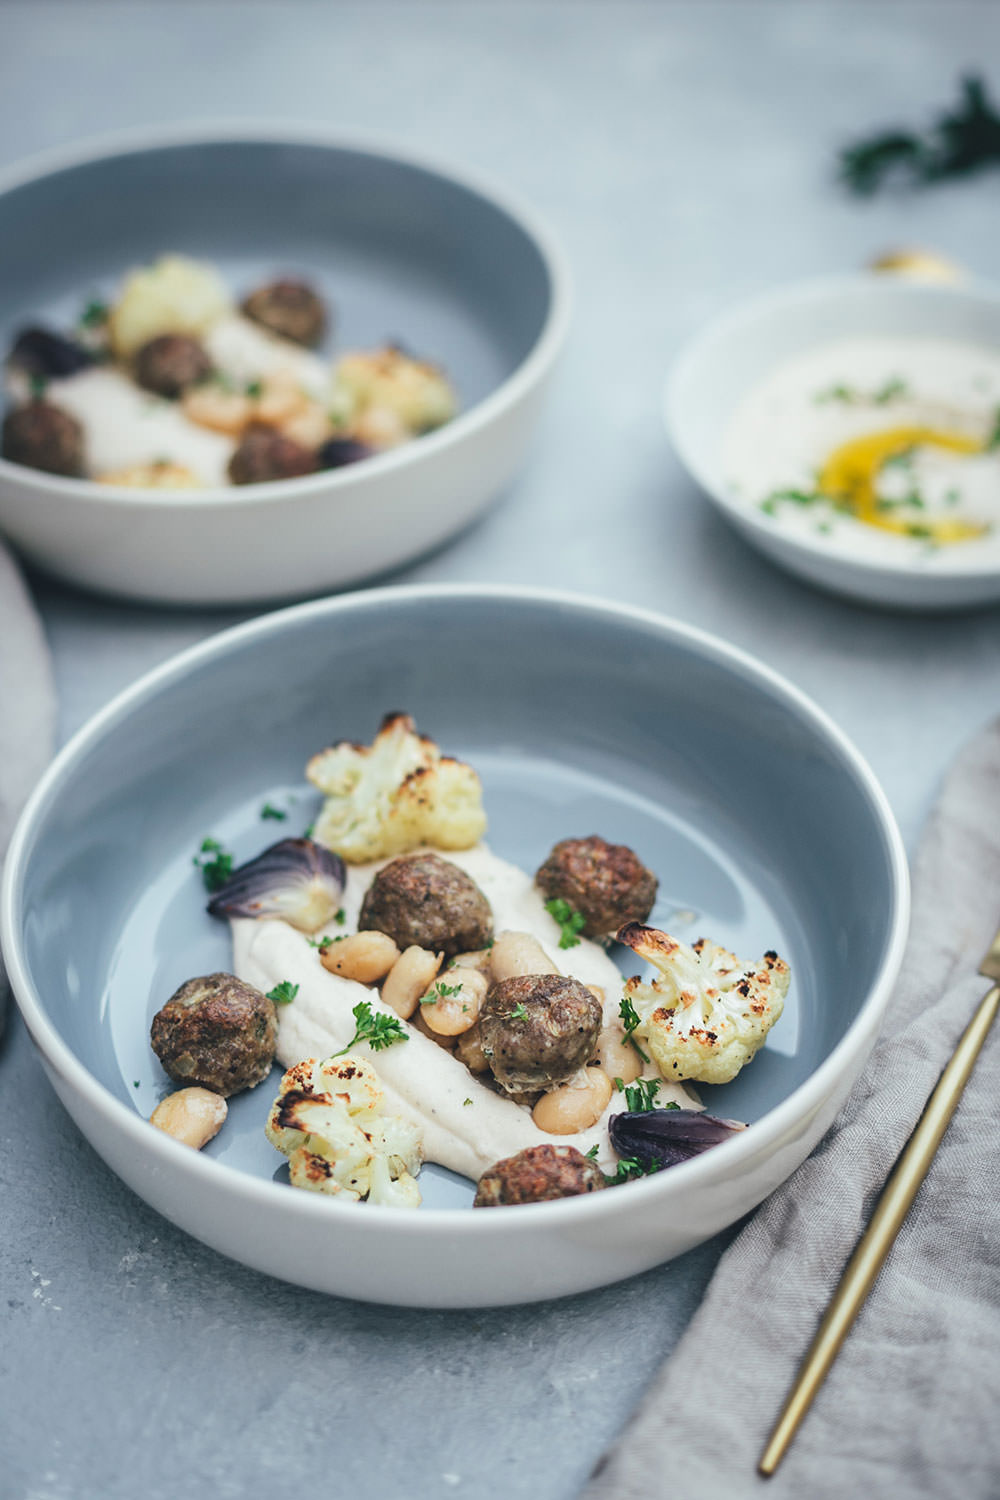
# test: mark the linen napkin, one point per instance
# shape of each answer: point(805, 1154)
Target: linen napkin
point(27, 706)
point(909, 1408)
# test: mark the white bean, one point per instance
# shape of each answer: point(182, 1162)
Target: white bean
point(617, 1057)
point(576, 1105)
point(517, 953)
point(364, 956)
point(469, 1050)
point(192, 1116)
point(410, 977)
point(453, 1013)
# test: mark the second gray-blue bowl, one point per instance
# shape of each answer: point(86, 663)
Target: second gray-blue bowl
point(405, 250)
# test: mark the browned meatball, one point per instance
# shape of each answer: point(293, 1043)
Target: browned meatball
point(43, 436)
point(537, 1175)
point(217, 1032)
point(290, 309)
point(537, 1030)
point(170, 364)
point(425, 900)
point(606, 883)
point(264, 454)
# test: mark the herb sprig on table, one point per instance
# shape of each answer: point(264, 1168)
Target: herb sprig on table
point(963, 139)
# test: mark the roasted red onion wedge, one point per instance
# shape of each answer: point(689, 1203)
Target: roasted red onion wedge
point(657, 1138)
point(296, 880)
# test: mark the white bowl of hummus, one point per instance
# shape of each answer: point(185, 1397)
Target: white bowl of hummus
point(850, 428)
point(180, 428)
point(720, 777)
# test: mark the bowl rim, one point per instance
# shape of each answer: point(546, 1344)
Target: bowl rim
point(143, 139)
point(713, 1166)
point(749, 312)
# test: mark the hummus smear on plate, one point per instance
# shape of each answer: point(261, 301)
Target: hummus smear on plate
point(432, 1002)
point(887, 448)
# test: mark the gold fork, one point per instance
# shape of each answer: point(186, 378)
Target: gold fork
point(874, 1245)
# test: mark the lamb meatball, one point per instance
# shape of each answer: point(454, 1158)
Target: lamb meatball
point(538, 1030)
point(428, 902)
point(43, 436)
point(168, 365)
point(537, 1175)
point(216, 1032)
point(606, 883)
point(264, 454)
point(290, 309)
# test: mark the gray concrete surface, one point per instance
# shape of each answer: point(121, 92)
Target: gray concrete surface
point(683, 153)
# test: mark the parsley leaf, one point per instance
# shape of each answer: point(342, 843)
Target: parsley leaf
point(639, 1096)
point(379, 1030)
point(215, 864)
point(630, 1019)
point(570, 921)
point(270, 811)
point(283, 993)
point(440, 991)
point(518, 1013)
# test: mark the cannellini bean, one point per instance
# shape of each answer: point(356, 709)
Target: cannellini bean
point(381, 427)
point(211, 405)
point(364, 956)
point(309, 426)
point(617, 1057)
point(447, 1042)
point(410, 977)
point(280, 397)
point(469, 1050)
point(192, 1116)
point(451, 1014)
point(576, 1105)
point(479, 959)
point(516, 953)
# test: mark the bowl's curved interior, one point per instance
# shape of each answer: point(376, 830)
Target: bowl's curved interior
point(762, 824)
point(402, 252)
point(740, 348)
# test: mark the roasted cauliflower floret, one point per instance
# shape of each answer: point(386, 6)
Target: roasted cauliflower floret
point(329, 1120)
point(389, 380)
point(174, 295)
point(707, 1012)
point(397, 794)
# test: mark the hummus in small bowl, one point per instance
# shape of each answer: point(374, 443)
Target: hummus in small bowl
point(850, 428)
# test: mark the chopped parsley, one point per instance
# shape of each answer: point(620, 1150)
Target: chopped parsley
point(283, 993)
point(893, 389)
point(309, 831)
point(95, 314)
point(592, 1153)
point(792, 497)
point(38, 385)
point(465, 1102)
point(639, 1096)
point(254, 388)
point(135, 1083)
point(324, 942)
point(441, 991)
point(518, 1013)
point(340, 917)
point(270, 811)
point(630, 1019)
point(215, 864)
point(844, 393)
point(570, 920)
point(627, 1169)
point(379, 1030)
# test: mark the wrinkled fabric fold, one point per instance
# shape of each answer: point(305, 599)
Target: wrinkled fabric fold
point(908, 1408)
point(27, 705)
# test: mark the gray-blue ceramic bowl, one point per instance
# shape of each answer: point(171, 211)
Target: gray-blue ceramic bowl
point(751, 807)
point(404, 250)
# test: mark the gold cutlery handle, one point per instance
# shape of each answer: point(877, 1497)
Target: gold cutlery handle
point(872, 1248)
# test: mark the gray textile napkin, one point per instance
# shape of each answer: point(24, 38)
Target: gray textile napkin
point(27, 705)
point(909, 1408)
